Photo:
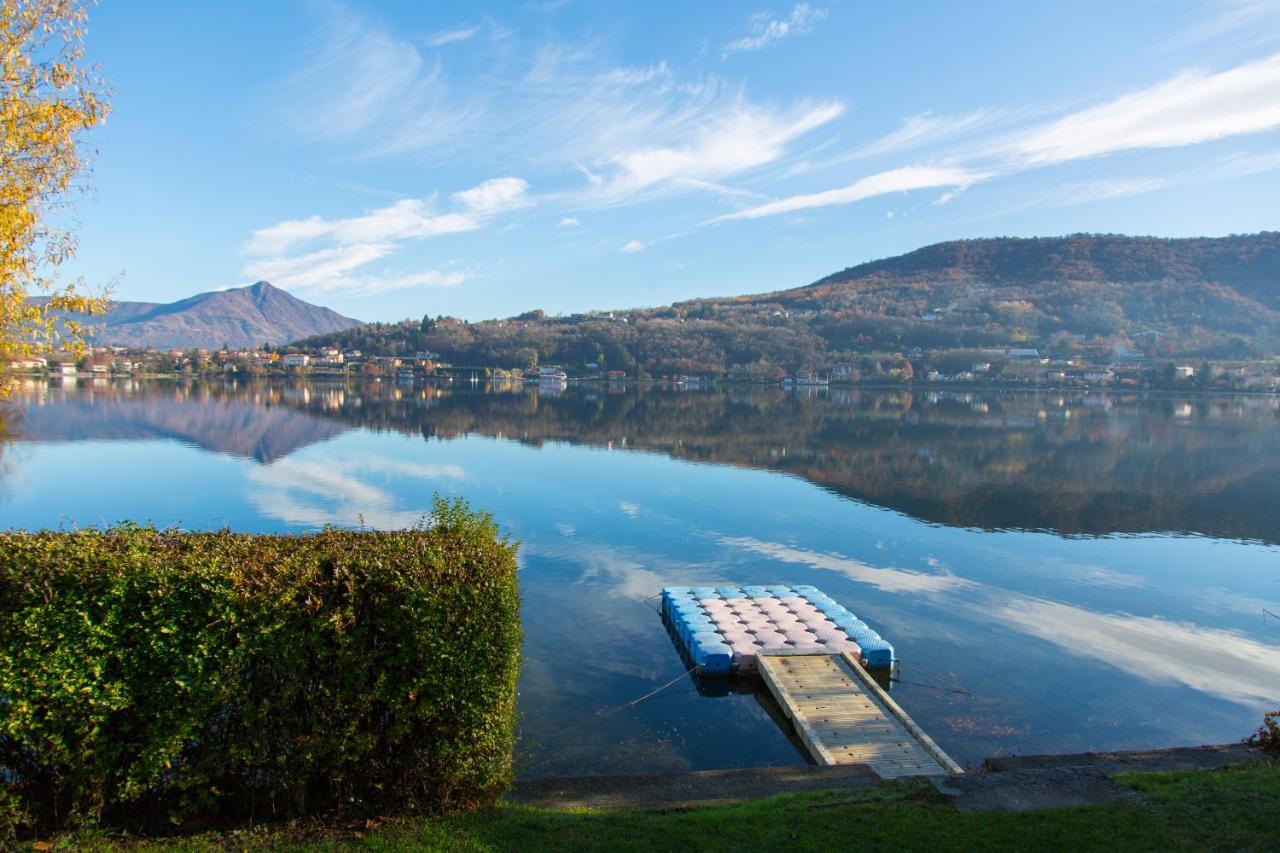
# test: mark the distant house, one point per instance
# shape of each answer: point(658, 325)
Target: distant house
point(1023, 352)
point(842, 372)
point(296, 359)
point(67, 368)
point(615, 374)
point(1185, 371)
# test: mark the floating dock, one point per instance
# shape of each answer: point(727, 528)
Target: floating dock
point(813, 656)
point(843, 716)
point(722, 629)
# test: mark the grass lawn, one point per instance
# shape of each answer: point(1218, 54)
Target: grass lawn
point(1232, 809)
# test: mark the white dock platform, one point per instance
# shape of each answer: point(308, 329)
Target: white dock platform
point(844, 717)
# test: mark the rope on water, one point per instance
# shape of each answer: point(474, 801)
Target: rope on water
point(606, 710)
point(940, 687)
point(940, 682)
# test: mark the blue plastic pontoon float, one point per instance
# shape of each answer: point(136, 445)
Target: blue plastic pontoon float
point(723, 628)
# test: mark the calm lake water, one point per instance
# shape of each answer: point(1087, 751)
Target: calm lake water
point(1058, 572)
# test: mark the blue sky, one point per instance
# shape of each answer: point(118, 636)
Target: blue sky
point(401, 159)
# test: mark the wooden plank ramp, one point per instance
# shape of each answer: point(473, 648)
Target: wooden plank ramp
point(843, 717)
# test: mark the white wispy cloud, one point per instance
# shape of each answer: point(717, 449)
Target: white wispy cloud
point(1106, 189)
point(405, 219)
point(1241, 165)
point(319, 268)
point(495, 195)
point(632, 246)
point(920, 130)
point(763, 30)
point(733, 141)
point(568, 222)
point(1244, 22)
point(357, 241)
point(636, 76)
point(360, 82)
point(370, 285)
point(444, 37)
point(883, 183)
point(635, 132)
point(1190, 108)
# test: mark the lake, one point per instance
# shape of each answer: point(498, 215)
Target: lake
point(1058, 572)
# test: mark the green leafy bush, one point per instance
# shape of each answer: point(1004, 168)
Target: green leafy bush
point(150, 675)
point(1267, 737)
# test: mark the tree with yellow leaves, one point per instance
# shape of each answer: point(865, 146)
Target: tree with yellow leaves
point(48, 99)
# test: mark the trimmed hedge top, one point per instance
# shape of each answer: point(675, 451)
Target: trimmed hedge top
point(148, 675)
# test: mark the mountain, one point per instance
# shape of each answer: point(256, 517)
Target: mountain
point(1081, 295)
point(1196, 289)
point(240, 317)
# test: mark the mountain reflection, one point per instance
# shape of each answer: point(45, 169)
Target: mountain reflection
point(1067, 463)
point(253, 423)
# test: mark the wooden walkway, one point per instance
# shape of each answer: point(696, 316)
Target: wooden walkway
point(843, 717)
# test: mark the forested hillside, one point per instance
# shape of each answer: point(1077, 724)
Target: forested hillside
point(1081, 294)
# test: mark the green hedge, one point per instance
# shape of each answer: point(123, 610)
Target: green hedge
point(150, 675)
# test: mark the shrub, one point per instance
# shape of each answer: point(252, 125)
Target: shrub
point(1267, 737)
point(150, 675)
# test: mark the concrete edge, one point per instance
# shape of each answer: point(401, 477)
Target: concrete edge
point(1206, 757)
point(1002, 783)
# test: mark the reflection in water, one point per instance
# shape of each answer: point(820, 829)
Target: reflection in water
point(315, 494)
point(953, 546)
point(1223, 663)
point(1070, 463)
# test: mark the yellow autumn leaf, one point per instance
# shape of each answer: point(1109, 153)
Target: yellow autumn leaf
point(48, 99)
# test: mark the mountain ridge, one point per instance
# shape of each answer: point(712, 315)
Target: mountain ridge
point(1090, 295)
point(240, 318)
point(1249, 263)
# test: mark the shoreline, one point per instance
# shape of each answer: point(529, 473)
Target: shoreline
point(913, 385)
point(1000, 783)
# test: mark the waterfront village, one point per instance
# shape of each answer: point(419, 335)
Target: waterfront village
point(994, 367)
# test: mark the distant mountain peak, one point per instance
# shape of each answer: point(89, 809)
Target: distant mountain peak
point(239, 317)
